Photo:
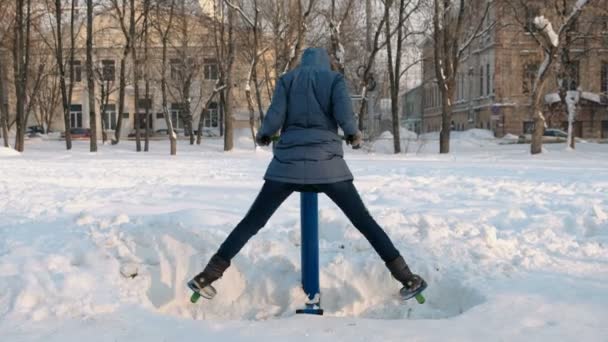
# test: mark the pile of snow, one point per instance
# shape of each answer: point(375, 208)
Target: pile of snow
point(101, 246)
point(243, 139)
point(510, 137)
point(384, 143)
point(8, 152)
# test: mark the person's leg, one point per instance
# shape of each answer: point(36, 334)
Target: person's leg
point(269, 199)
point(346, 196)
point(272, 195)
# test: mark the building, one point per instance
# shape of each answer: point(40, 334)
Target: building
point(192, 72)
point(497, 71)
point(412, 109)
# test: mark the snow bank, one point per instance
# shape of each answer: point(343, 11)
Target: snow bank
point(384, 143)
point(100, 246)
point(8, 152)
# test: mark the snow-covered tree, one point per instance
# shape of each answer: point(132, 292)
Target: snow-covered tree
point(456, 24)
point(549, 36)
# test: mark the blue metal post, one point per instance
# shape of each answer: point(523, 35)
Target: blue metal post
point(309, 221)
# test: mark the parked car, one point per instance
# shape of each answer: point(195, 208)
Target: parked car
point(78, 133)
point(34, 130)
point(162, 132)
point(550, 135)
point(553, 132)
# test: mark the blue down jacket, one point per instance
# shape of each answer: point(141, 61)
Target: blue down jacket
point(307, 106)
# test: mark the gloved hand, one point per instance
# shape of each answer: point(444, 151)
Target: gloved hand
point(262, 140)
point(355, 140)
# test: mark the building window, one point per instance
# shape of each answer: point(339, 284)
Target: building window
point(604, 78)
point(76, 116)
point(213, 116)
point(529, 77)
point(481, 81)
point(211, 69)
point(76, 71)
point(603, 24)
point(109, 117)
point(143, 121)
point(176, 115)
point(125, 116)
point(572, 75)
point(532, 12)
point(160, 115)
point(140, 70)
point(144, 105)
point(108, 69)
point(528, 127)
point(177, 69)
point(488, 80)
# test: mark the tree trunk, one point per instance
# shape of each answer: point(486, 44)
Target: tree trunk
point(538, 118)
point(135, 76)
point(394, 69)
point(163, 82)
point(90, 77)
point(121, 95)
point(146, 77)
point(68, 133)
point(62, 84)
point(446, 120)
point(20, 75)
point(229, 133)
point(163, 87)
point(3, 108)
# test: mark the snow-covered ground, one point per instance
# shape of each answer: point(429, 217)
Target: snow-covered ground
point(514, 247)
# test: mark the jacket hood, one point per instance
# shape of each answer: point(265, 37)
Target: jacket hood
point(316, 58)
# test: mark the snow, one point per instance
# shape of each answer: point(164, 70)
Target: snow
point(8, 152)
point(411, 143)
point(545, 25)
point(552, 98)
point(98, 247)
point(384, 142)
point(579, 4)
point(593, 97)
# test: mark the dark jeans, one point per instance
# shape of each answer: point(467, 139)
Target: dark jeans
point(344, 194)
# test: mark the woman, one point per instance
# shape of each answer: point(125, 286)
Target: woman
point(308, 105)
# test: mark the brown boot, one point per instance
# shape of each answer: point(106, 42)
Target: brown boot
point(212, 272)
point(402, 273)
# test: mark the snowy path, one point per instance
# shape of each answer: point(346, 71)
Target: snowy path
point(514, 247)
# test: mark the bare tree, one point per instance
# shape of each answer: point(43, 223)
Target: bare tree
point(186, 67)
point(66, 93)
point(3, 107)
point(254, 55)
point(549, 41)
point(225, 46)
point(574, 46)
point(163, 24)
point(107, 86)
point(451, 38)
point(119, 12)
point(49, 98)
point(91, 78)
point(4, 111)
point(21, 57)
point(407, 8)
point(146, 76)
point(335, 33)
point(136, 77)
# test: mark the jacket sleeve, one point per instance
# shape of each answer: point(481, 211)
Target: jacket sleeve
point(342, 106)
point(275, 116)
